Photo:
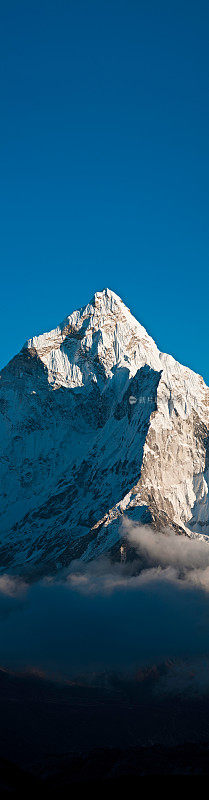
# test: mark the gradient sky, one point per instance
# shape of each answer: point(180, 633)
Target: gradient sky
point(104, 142)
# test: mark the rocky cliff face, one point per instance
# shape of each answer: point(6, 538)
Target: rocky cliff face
point(95, 422)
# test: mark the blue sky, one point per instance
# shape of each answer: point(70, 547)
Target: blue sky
point(104, 143)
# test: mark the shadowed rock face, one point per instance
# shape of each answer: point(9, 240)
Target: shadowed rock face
point(77, 452)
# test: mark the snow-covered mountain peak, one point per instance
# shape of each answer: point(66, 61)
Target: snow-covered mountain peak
point(97, 337)
point(95, 421)
point(107, 299)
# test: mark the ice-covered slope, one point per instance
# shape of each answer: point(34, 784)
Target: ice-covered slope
point(76, 453)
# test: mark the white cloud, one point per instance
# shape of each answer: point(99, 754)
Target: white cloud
point(12, 586)
point(168, 558)
point(173, 557)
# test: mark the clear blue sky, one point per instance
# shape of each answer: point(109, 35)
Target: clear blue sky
point(104, 142)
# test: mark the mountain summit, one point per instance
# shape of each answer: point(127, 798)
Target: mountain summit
point(96, 422)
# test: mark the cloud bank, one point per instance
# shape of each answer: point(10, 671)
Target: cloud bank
point(166, 557)
point(111, 616)
point(173, 557)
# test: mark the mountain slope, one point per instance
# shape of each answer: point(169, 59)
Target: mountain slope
point(77, 452)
